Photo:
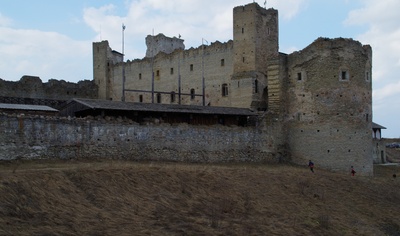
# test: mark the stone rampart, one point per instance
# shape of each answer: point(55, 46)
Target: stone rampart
point(36, 137)
point(32, 87)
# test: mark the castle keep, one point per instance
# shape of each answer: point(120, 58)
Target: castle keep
point(316, 103)
point(311, 104)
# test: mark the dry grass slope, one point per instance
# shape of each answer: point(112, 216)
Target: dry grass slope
point(127, 198)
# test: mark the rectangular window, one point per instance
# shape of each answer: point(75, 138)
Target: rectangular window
point(299, 76)
point(172, 71)
point(344, 75)
point(224, 89)
point(140, 75)
point(140, 98)
point(158, 73)
point(191, 67)
point(222, 62)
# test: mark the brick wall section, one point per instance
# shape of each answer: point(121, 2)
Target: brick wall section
point(40, 137)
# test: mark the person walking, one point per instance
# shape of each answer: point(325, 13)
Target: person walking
point(353, 172)
point(311, 165)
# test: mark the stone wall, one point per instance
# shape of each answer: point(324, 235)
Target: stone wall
point(330, 105)
point(37, 137)
point(213, 61)
point(33, 88)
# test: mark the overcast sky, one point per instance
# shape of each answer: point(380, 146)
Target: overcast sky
point(53, 39)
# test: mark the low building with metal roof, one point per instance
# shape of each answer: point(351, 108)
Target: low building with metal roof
point(28, 109)
point(167, 113)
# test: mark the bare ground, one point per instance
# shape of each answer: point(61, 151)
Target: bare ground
point(130, 198)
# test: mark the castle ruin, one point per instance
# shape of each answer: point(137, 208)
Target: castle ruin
point(315, 103)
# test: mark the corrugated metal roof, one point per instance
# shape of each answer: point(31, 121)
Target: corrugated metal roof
point(155, 107)
point(376, 126)
point(26, 107)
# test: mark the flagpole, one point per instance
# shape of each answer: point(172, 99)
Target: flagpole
point(202, 72)
point(123, 65)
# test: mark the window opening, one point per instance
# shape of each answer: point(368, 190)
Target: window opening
point(192, 94)
point(173, 97)
point(158, 97)
point(222, 62)
point(224, 90)
point(344, 75)
point(256, 86)
point(140, 98)
point(191, 67)
point(172, 71)
point(140, 75)
point(299, 76)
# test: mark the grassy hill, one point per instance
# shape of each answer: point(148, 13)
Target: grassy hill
point(130, 198)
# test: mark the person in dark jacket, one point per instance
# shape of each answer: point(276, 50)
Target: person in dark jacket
point(311, 166)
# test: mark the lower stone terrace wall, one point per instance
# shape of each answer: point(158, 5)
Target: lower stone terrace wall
point(24, 137)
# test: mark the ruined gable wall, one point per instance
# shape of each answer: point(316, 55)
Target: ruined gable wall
point(330, 106)
point(161, 43)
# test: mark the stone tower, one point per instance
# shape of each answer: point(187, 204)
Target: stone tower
point(255, 35)
point(103, 60)
point(330, 104)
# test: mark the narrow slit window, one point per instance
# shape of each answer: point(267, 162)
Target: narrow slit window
point(256, 86)
point(192, 94)
point(172, 71)
point(191, 67)
point(173, 97)
point(158, 97)
point(222, 62)
point(140, 98)
point(140, 75)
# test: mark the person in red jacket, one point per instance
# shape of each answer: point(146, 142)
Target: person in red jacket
point(353, 172)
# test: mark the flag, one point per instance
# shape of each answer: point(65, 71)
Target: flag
point(123, 27)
